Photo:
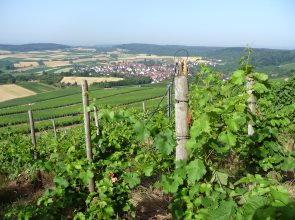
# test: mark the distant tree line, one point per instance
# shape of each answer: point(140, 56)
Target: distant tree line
point(33, 47)
point(7, 78)
point(134, 80)
point(45, 78)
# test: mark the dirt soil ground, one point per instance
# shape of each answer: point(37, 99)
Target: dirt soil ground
point(20, 192)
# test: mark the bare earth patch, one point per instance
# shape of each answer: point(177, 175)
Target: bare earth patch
point(150, 204)
point(12, 91)
point(21, 192)
point(90, 80)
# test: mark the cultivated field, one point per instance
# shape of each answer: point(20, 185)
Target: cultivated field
point(12, 91)
point(62, 70)
point(56, 63)
point(93, 59)
point(4, 52)
point(26, 64)
point(84, 49)
point(72, 79)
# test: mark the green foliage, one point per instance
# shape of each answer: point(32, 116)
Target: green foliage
point(212, 186)
point(229, 174)
point(120, 161)
point(285, 94)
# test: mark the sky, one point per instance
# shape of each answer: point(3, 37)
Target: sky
point(254, 23)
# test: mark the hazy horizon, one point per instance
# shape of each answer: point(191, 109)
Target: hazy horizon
point(257, 24)
point(110, 45)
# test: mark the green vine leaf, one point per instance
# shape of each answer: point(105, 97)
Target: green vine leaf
point(132, 179)
point(236, 121)
point(260, 76)
point(238, 77)
point(225, 211)
point(86, 176)
point(227, 137)
point(171, 184)
point(222, 177)
point(195, 170)
point(259, 88)
point(148, 170)
point(283, 197)
point(202, 124)
point(141, 130)
point(288, 164)
point(60, 181)
point(164, 142)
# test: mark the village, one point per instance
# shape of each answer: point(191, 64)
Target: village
point(158, 72)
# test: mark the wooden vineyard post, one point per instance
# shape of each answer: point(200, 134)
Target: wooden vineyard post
point(96, 120)
point(143, 107)
point(38, 177)
point(54, 129)
point(251, 102)
point(169, 98)
point(87, 129)
point(181, 109)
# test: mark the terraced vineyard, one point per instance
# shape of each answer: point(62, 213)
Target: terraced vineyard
point(37, 87)
point(40, 97)
point(65, 105)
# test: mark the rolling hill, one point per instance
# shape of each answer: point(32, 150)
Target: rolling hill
point(261, 57)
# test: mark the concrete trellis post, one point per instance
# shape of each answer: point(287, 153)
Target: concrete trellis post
point(181, 109)
point(169, 99)
point(54, 129)
point(96, 120)
point(251, 102)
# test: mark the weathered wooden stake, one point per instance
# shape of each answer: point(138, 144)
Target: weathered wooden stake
point(96, 120)
point(251, 102)
point(38, 177)
point(181, 109)
point(54, 129)
point(169, 98)
point(87, 128)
